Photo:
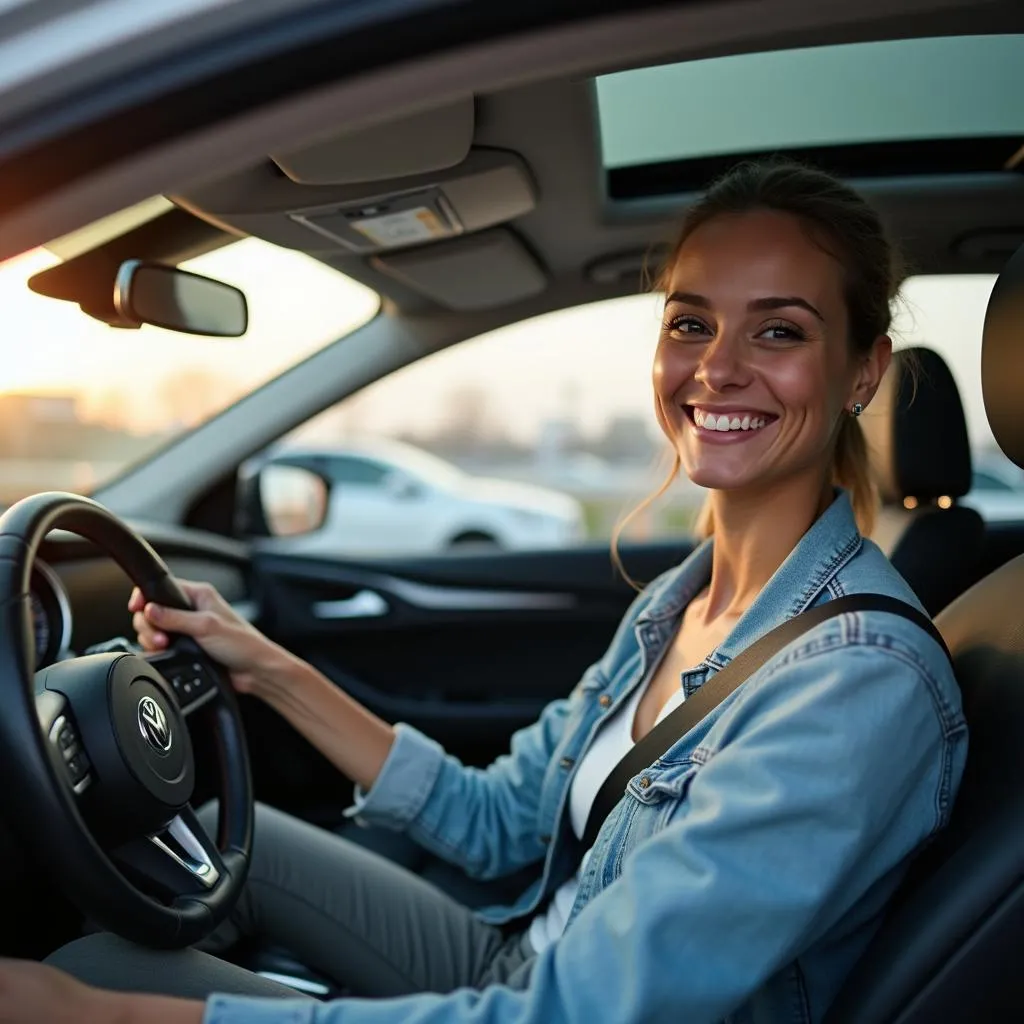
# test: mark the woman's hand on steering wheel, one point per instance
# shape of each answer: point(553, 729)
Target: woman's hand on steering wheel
point(249, 657)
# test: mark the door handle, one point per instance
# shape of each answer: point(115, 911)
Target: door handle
point(364, 604)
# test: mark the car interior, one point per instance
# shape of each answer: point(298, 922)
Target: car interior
point(478, 206)
point(922, 460)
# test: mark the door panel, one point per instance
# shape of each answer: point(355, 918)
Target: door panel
point(466, 648)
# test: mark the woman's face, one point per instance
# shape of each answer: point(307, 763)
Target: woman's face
point(753, 368)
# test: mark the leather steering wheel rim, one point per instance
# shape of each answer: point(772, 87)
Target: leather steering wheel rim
point(45, 809)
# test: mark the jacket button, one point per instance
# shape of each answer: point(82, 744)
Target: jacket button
point(566, 762)
point(604, 700)
point(644, 782)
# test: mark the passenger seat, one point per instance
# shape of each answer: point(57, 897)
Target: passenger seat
point(921, 460)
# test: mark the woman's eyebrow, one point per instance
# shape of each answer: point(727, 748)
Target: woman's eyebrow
point(767, 303)
point(690, 298)
point(781, 302)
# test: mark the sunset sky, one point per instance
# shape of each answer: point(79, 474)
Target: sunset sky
point(296, 304)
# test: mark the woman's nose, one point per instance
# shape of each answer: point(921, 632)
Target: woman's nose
point(723, 364)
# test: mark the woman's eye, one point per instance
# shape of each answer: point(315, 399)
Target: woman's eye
point(781, 332)
point(687, 325)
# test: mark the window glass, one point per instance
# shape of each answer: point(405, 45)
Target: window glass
point(895, 90)
point(355, 471)
point(543, 433)
point(987, 482)
point(80, 400)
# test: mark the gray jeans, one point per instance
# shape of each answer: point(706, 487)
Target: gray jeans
point(372, 926)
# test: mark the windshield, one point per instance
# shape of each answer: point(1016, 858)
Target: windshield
point(80, 401)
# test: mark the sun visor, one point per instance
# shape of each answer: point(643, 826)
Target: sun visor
point(429, 141)
point(475, 272)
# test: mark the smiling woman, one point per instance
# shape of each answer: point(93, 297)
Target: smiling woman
point(81, 399)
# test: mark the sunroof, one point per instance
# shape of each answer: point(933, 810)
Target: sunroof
point(940, 90)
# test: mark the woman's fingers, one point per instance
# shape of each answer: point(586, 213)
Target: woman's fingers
point(150, 638)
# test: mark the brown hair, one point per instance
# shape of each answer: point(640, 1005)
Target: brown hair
point(842, 224)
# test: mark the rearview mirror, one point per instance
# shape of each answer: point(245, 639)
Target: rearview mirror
point(152, 293)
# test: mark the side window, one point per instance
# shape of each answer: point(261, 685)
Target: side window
point(538, 435)
point(981, 481)
point(348, 470)
point(542, 434)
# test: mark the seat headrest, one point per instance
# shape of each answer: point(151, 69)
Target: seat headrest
point(916, 430)
point(1002, 359)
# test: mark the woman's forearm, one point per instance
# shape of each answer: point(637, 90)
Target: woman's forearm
point(352, 738)
point(121, 1008)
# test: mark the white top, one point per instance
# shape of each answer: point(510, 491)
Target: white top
point(613, 740)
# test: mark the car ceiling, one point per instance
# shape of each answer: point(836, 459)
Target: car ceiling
point(569, 229)
point(531, 189)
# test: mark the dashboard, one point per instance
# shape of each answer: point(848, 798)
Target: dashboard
point(51, 615)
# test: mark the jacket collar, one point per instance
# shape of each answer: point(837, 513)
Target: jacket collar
point(807, 571)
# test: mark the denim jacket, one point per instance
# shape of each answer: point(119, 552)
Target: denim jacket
point(743, 872)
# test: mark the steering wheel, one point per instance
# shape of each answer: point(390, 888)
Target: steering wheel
point(96, 754)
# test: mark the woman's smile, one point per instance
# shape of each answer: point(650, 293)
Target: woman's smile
point(727, 424)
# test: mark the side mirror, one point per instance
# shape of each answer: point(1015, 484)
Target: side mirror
point(279, 500)
point(151, 293)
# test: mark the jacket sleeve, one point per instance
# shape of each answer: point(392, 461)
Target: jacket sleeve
point(483, 820)
point(802, 811)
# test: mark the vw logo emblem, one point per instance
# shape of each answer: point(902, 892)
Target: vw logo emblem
point(153, 725)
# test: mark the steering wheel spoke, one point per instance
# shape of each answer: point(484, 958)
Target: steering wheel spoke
point(179, 859)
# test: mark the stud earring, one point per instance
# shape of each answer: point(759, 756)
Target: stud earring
point(857, 409)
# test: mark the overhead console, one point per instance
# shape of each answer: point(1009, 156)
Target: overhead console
point(404, 183)
point(411, 199)
point(487, 188)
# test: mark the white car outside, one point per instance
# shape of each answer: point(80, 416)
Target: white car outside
point(997, 490)
point(389, 498)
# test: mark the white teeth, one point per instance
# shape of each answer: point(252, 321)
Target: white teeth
point(723, 422)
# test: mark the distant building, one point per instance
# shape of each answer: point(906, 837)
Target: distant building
point(48, 426)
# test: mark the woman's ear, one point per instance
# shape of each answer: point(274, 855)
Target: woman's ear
point(872, 370)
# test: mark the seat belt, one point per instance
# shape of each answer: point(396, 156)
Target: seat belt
point(696, 707)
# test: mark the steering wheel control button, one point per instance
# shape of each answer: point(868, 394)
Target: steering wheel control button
point(192, 681)
point(78, 767)
point(65, 738)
